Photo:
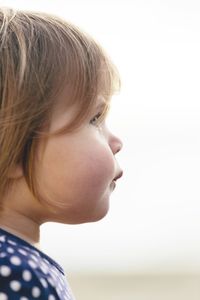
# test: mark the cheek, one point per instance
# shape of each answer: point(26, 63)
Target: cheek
point(80, 174)
point(97, 169)
point(90, 187)
point(74, 181)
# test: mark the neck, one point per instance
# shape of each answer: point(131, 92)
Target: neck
point(20, 226)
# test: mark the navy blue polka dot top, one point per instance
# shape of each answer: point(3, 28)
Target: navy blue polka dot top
point(28, 274)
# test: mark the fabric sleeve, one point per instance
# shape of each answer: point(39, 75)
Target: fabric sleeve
point(17, 283)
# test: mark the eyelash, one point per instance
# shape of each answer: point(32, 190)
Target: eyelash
point(96, 119)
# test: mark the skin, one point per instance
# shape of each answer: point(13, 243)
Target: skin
point(76, 174)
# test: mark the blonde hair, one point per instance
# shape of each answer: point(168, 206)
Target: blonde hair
point(39, 55)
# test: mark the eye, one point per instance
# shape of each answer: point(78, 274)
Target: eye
point(96, 119)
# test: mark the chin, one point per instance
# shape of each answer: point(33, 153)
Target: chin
point(93, 217)
point(90, 213)
point(99, 215)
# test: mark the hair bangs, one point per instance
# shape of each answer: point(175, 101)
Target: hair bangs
point(92, 74)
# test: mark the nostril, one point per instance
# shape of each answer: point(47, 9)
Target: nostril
point(115, 144)
point(118, 150)
point(118, 146)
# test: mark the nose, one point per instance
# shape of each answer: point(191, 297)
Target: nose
point(115, 144)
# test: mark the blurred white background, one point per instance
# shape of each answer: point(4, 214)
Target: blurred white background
point(153, 225)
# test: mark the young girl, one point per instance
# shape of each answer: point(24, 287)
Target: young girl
point(57, 157)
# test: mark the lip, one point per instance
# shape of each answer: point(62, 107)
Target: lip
point(119, 175)
point(113, 184)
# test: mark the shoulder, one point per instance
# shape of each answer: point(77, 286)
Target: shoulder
point(20, 275)
point(18, 280)
point(27, 273)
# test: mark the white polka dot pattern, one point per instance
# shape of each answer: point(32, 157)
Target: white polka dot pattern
point(3, 254)
point(3, 296)
point(23, 252)
point(10, 250)
point(2, 238)
point(15, 260)
point(27, 274)
point(5, 271)
point(36, 292)
point(32, 264)
point(11, 242)
point(51, 297)
point(15, 285)
point(43, 282)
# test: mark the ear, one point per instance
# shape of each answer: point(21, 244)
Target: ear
point(15, 172)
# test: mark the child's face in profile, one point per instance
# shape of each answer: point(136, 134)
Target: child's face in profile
point(76, 171)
